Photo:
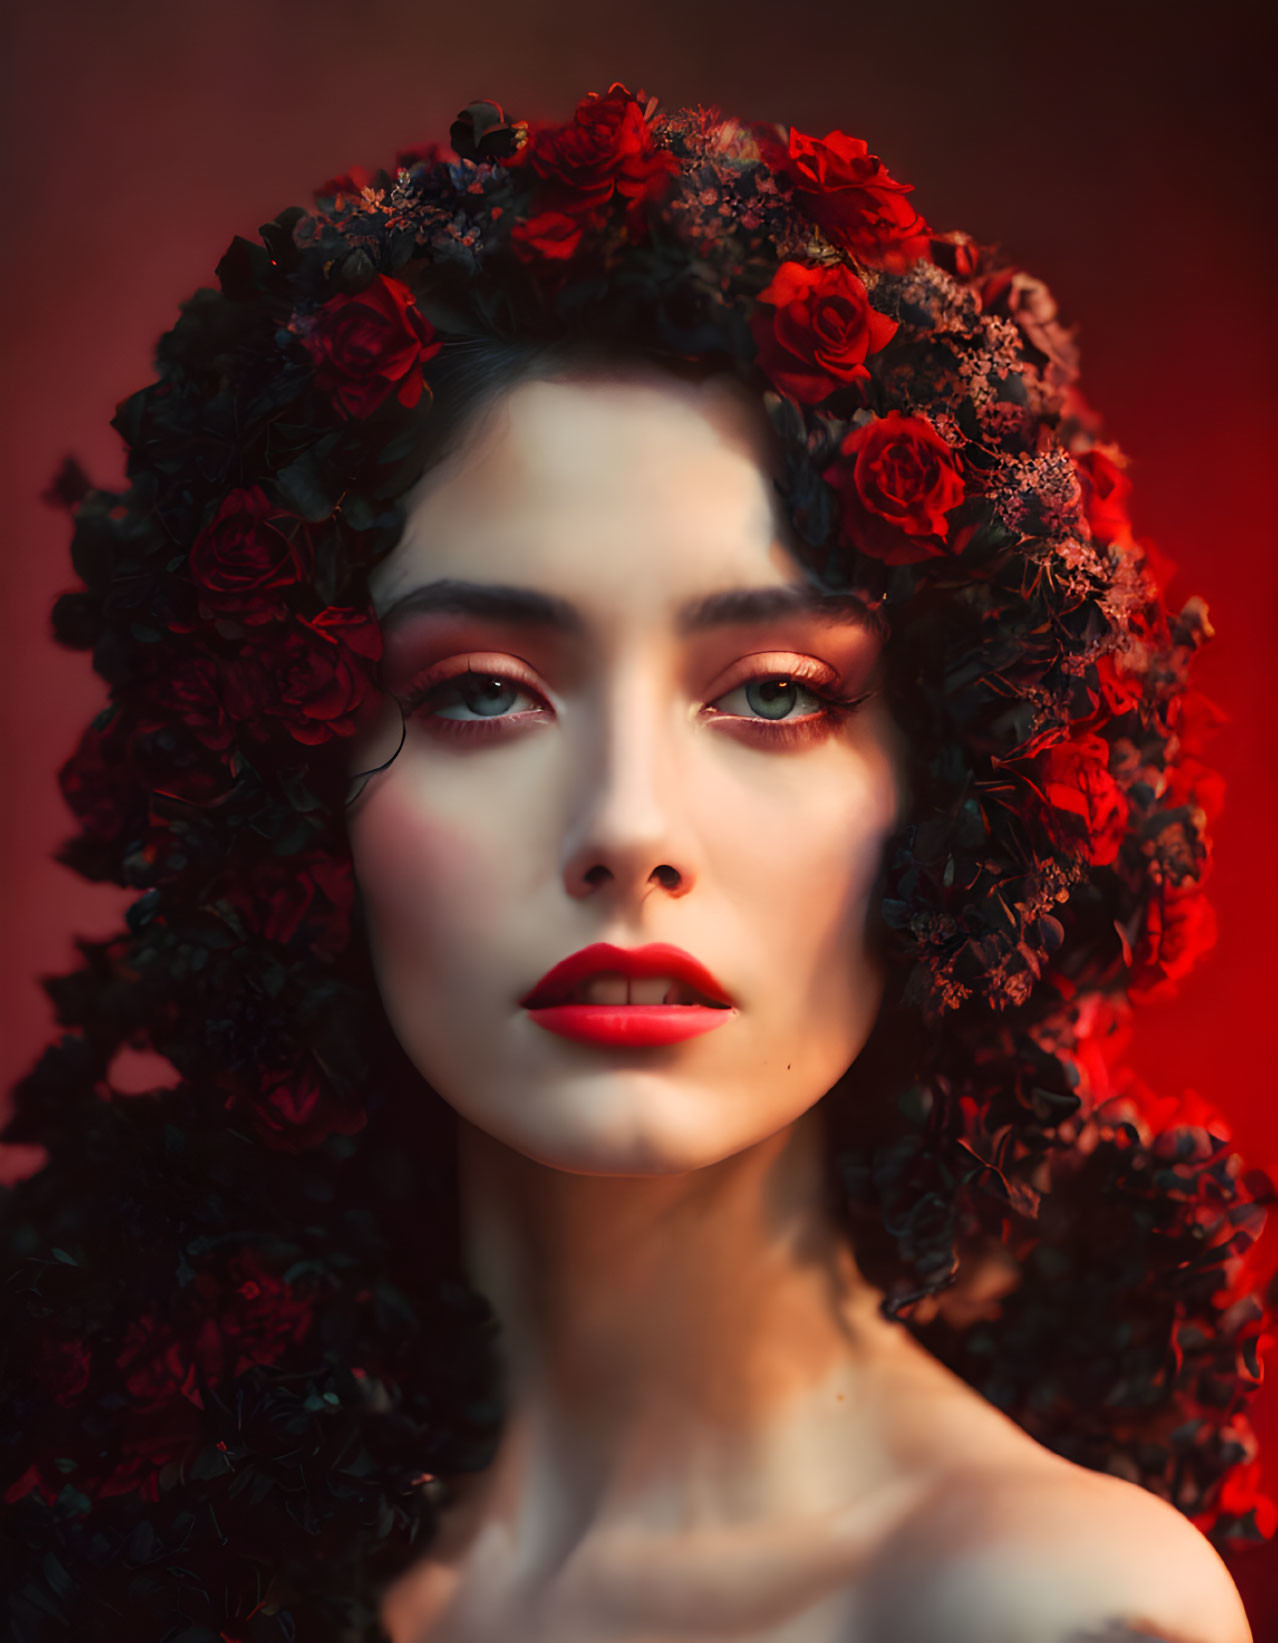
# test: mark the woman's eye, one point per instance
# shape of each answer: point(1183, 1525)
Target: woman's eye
point(482, 695)
point(777, 696)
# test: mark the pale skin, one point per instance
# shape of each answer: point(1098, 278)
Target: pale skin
point(712, 1432)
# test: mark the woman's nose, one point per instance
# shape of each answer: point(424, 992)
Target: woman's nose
point(629, 824)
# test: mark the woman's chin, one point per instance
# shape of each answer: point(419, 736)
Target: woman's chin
point(622, 1129)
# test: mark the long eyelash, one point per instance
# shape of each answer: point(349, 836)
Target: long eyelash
point(836, 709)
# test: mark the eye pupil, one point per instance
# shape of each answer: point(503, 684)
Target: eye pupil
point(773, 698)
point(486, 694)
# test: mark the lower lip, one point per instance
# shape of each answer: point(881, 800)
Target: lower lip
point(638, 1025)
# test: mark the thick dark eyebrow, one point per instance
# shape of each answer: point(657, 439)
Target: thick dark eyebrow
point(733, 607)
point(738, 607)
point(524, 606)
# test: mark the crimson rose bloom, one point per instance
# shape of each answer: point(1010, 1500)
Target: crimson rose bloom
point(193, 695)
point(552, 234)
point(1179, 927)
point(371, 344)
point(1105, 488)
point(96, 782)
point(311, 677)
point(242, 556)
point(605, 148)
point(821, 331)
point(848, 192)
point(314, 895)
point(291, 1110)
point(897, 481)
point(1088, 805)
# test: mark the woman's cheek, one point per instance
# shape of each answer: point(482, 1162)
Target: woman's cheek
point(424, 884)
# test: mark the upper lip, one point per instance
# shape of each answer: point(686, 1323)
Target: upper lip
point(656, 959)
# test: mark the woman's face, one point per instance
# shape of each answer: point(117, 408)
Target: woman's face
point(634, 763)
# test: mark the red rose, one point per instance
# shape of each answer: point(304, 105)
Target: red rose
point(97, 784)
point(848, 192)
point(263, 1315)
point(1193, 783)
point(820, 333)
point(242, 556)
point(64, 1369)
point(193, 693)
point(605, 149)
point(291, 1110)
point(181, 743)
point(1087, 804)
point(897, 481)
point(309, 679)
point(1179, 927)
point(551, 234)
point(1105, 490)
point(159, 1367)
point(370, 344)
point(286, 895)
point(1118, 691)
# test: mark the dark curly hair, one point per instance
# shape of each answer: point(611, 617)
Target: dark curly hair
point(242, 1362)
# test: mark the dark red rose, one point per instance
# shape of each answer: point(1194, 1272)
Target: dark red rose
point(897, 480)
point(1118, 691)
point(292, 1110)
point(64, 1369)
point(605, 149)
point(285, 895)
point(263, 1315)
point(1105, 490)
point(243, 557)
point(956, 253)
point(1088, 807)
point(358, 630)
point(371, 344)
point(554, 235)
point(848, 192)
point(154, 1440)
point(97, 784)
point(181, 743)
point(819, 332)
point(1191, 782)
point(193, 694)
point(159, 1366)
point(307, 678)
point(1028, 303)
point(1178, 928)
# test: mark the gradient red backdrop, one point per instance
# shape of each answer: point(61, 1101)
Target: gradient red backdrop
point(1121, 151)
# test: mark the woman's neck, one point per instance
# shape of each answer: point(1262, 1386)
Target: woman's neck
point(697, 1350)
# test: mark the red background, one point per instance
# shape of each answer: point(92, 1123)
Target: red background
point(1122, 152)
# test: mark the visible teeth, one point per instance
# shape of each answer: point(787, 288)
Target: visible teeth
point(605, 988)
point(608, 987)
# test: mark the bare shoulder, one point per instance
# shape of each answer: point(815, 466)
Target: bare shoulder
point(1051, 1553)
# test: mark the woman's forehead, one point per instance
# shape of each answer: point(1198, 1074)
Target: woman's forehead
point(591, 479)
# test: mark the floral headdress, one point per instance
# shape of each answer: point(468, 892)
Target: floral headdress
point(235, 1388)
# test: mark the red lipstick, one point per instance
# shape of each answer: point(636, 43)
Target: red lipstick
point(552, 1006)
